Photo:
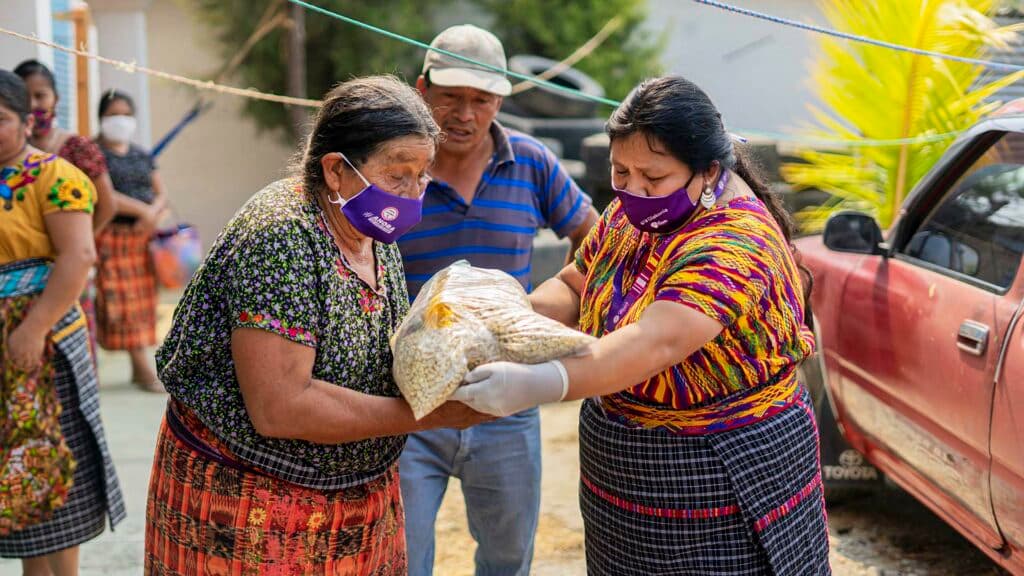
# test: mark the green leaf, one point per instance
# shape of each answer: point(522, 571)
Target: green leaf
point(336, 51)
point(867, 92)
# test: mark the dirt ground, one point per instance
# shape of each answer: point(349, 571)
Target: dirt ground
point(889, 534)
point(559, 543)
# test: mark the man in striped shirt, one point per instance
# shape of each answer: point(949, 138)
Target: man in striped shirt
point(492, 189)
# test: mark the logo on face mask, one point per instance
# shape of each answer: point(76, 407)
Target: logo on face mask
point(659, 214)
point(380, 222)
point(652, 213)
point(390, 213)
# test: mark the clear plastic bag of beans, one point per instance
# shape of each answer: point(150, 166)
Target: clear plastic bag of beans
point(464, 317)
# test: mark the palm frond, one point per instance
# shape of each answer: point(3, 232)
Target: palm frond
point(868, 92)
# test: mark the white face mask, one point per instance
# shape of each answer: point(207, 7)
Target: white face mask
point(118, 128)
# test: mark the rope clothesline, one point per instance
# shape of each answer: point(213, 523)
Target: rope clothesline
point(1005, 66)
point(858, 143)
point(411, 41)
point(579, 54)
point(131, 68)
point(542, 80)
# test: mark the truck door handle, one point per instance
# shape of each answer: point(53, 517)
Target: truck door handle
point(972, 337)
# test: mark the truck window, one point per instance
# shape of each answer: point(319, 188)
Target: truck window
point(978, 229)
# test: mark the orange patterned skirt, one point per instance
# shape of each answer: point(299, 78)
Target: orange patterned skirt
point(205, 517)
point(125, 290)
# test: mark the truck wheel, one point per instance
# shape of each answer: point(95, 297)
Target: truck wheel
point(845, 473)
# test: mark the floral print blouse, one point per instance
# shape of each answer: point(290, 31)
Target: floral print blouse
point(275, 267)
point(85, 155)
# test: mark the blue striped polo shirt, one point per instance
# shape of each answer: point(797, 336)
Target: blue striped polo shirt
point(524, 188)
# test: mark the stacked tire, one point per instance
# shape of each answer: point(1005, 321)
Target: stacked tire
point(543, 102)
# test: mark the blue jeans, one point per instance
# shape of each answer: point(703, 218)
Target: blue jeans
point(498, 464)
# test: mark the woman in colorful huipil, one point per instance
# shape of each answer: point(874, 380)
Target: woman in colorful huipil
point(49, 391)
point(82, 152)
point(282, 436)
point(698, 447)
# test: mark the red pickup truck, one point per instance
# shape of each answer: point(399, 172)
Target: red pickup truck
point(921, 344)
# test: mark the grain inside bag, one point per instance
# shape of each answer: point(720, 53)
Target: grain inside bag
point(465, 317)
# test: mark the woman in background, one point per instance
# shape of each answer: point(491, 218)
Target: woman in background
point(126, 281)
point(77, 149)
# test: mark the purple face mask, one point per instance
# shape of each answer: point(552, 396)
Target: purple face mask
point(378, 214)
point(667, 213)
point(44, 121)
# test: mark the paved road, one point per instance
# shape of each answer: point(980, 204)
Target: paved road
point(131, 418)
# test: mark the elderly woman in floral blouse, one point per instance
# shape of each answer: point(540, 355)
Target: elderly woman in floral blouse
point(284, 427)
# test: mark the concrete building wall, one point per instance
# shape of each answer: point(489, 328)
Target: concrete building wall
point(26, 17)
point(220, 160)
point(121, 35)
point(755, 71)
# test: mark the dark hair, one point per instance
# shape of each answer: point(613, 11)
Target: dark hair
point(111, 96)
point(358, 117)
point(14, 94)
point(676, 114)
point(30, 68)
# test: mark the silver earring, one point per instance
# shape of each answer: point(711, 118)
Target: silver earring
point(707, 198)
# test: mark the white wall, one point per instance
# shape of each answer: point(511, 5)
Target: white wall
point(95, 89)
point(121, 35)
point(65, 65)
point(755, 71)
point(26, 17)
point(220, 160)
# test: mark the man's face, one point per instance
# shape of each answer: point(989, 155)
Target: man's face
point(464, 115)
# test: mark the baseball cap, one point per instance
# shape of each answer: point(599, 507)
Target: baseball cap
point(472, 42)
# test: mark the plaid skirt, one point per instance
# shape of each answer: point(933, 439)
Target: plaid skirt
point(206, 516)
point(95, 494)
point(125, 290)
point(747, 501)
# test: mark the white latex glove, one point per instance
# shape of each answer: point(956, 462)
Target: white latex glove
point(504, 388)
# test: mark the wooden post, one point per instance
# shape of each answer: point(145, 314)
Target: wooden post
point(80, 20)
